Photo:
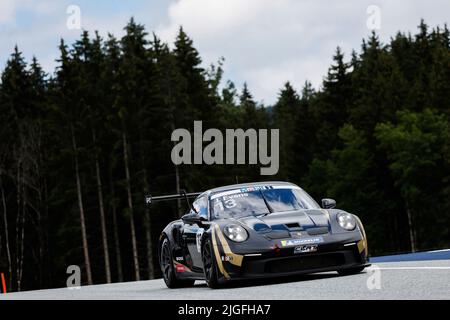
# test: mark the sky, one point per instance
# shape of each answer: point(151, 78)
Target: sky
point(264, 42)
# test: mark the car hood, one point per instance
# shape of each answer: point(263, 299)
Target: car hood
point(289, 221)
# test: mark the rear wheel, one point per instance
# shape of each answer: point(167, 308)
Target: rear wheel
point(350, 271)
point(209, 265)
point(168, 270)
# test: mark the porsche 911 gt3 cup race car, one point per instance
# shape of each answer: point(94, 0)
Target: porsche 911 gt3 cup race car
point(258, 230)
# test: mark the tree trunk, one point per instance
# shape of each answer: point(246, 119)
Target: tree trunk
point(48, 277)
point(87, 261)
point(5, 221)
point(18, 220)
point(148, 241)
point(102, 213)
point(116, 232)
point(37, 147)
point(22, 237)
point(148, 231)
point(172, 127)
point(412, 239)
point(40, 230)
point(42, 216)
point(147, 220)
point(130, 207)
point(177, 177)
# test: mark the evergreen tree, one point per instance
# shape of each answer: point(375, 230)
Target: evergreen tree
point(70, 112)
point(286, 115)
point(331, 108)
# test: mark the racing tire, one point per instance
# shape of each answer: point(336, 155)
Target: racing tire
point(166, 263)
point(209, 265)
point(350, 271)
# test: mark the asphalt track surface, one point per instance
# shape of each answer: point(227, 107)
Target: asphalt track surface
point(384, 280)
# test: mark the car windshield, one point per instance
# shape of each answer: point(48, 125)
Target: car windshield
point(259, 200)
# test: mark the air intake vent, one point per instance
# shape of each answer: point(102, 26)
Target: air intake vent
point(316, 231)
point(282, 234)
point(293, 226)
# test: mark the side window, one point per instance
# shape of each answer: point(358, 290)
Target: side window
point(201, 205)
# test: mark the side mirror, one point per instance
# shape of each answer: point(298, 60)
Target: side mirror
point(328, 203)
point(192, 218)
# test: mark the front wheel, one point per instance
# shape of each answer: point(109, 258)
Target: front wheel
point(168, 270)
point(350, 271)
point(209, 265)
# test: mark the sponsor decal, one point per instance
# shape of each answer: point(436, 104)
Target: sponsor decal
point(227, 258)
point(179, 258)
point(256, 188)
point(233, 196)
point(306, 248)
point(180, 268)
point(245, 190)
point(297, 234)
point(302, 241)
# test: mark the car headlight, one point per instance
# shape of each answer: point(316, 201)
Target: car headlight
point(235, 233)
point(346, 221)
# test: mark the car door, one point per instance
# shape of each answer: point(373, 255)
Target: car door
point(192, 234)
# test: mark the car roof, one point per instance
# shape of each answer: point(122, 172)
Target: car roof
point(250, 184)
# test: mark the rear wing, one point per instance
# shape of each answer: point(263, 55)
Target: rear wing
point(149, 199)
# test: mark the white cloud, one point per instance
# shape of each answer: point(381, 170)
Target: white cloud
point(268, 42)
point(7, 10)
point(41, 36)
point(36, 26)
point(264, 42)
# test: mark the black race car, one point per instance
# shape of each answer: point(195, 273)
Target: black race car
point(258, 230)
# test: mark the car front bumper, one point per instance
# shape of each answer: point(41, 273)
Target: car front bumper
point(279, 264)
point(337, 252)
